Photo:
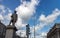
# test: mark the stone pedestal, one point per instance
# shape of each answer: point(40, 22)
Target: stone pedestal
point(10, 31)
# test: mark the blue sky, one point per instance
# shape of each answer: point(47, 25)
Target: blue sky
point(45, 7)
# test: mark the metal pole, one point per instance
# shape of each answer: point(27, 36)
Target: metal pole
point(34, 27)
point(34, 31)
point(20, 34)
point(30, 35)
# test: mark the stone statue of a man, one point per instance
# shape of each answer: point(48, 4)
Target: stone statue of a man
point(13, 18)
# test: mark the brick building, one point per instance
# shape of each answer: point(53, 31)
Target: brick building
point(54, 32)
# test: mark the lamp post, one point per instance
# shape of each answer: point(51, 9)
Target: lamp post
point(27, 30)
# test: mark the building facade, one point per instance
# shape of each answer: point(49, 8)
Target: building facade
point(2, 30)
point(54, 32)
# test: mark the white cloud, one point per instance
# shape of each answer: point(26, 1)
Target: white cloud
point(39, 35)
point(46, 20)
point(21, 33)
point(43, 35)
point(8, 17)
point(25, 11)
point(5, 14)
point(50, 18)
point(2, 9)
point(1, 17)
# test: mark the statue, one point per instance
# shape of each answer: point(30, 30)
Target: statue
point(13, 18)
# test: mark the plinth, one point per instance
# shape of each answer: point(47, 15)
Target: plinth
point(10, 31)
